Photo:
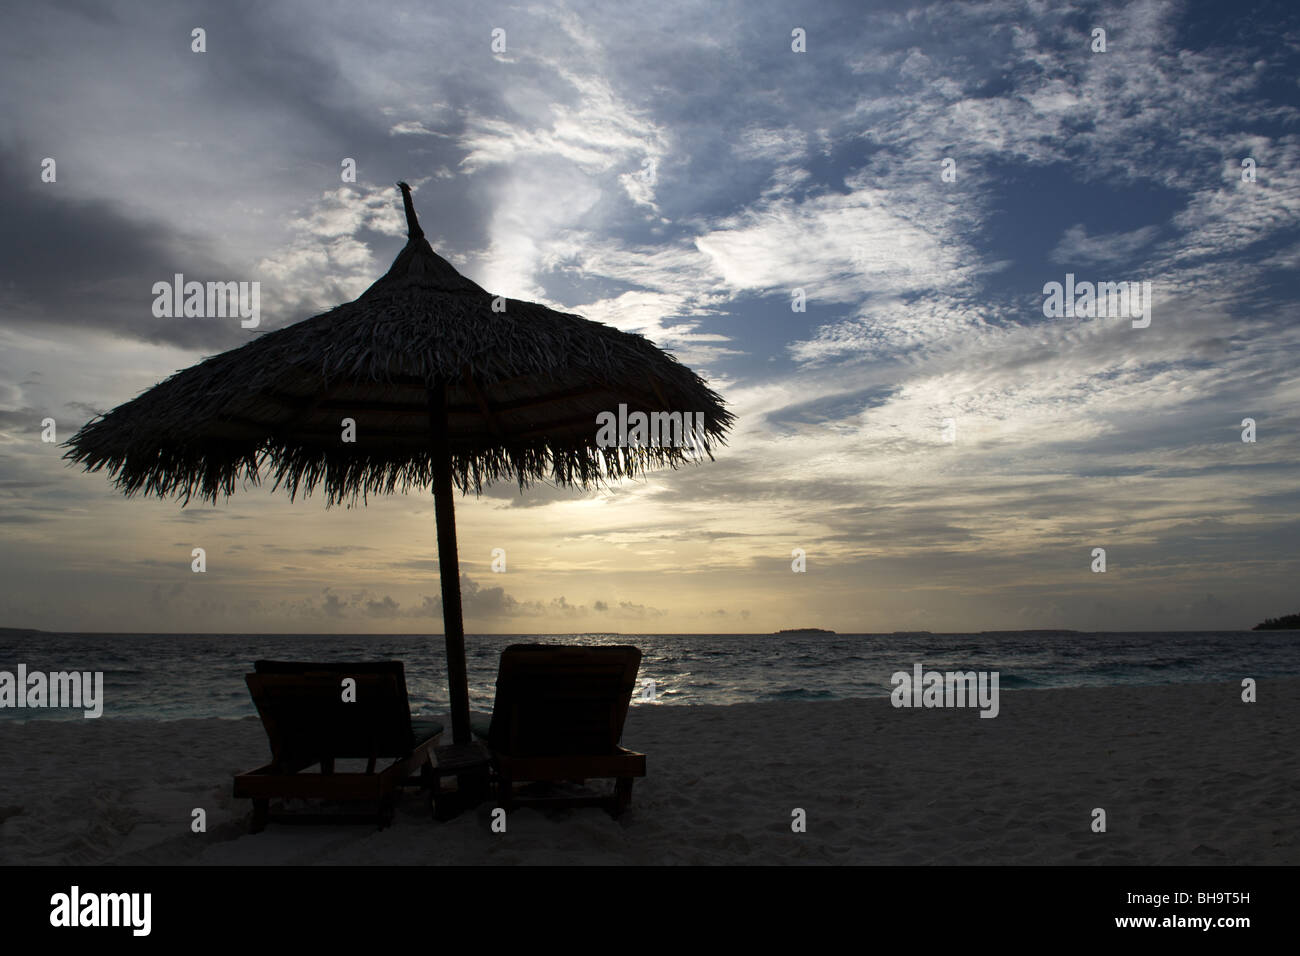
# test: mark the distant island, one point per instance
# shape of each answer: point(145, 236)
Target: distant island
point(805, 630)
point(1290, 622)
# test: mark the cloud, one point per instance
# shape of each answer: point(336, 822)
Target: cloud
point(1077, 247)
point(384, 608)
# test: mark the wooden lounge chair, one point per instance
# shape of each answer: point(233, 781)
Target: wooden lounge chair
point(308, 722)
point(559, 716)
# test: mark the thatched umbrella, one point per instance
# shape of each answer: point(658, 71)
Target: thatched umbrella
point(444, 389)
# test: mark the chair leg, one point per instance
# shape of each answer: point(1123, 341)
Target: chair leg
point(261, 813)
point(622, 796)
point(444, 804)
point(387, 810)
point(428, 785)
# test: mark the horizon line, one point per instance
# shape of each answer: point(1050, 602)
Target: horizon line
point(904, 632)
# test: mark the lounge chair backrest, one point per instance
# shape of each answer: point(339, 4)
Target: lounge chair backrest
point(343, 669)
point(562, 699)
point(306, 717)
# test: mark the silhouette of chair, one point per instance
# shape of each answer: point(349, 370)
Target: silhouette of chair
point(309, 720)
point(559, 715)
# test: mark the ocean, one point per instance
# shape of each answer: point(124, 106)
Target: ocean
point(172, 676)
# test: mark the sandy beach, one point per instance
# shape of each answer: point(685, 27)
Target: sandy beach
point(1187, 774)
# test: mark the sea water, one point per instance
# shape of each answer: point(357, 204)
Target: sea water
point(171, 676)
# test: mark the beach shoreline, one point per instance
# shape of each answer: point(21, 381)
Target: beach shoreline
point(1186, 774)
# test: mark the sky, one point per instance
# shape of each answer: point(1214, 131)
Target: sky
point(842, 215)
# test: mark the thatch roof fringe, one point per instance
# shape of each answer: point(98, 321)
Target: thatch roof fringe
point(519, 385)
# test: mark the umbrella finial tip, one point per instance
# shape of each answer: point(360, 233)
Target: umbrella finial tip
point(413, 230)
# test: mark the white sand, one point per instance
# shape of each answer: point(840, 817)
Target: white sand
point(1186, 773)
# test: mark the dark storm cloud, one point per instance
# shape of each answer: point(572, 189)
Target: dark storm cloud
point(69, 258)
point(86, 263)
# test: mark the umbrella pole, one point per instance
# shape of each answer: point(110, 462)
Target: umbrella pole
point(444, 509)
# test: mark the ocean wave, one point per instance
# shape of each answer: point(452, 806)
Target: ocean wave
point(1017, 680)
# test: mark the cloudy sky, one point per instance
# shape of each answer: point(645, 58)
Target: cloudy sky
point(945, 454)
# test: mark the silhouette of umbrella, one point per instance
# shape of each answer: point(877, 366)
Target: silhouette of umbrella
point(446, 384)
